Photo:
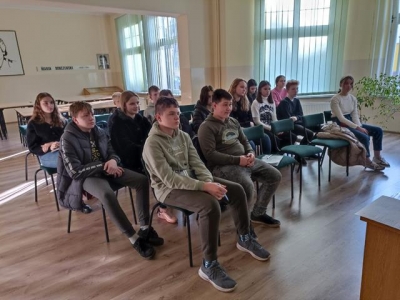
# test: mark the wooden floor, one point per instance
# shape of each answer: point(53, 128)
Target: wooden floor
point(316, 254)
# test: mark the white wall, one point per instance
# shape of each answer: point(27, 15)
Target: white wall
point(57, 39)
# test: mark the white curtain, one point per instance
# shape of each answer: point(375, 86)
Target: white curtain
point(301, 39)
point(384, 54)
point(149, 52)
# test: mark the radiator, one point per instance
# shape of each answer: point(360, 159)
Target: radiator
point(310, 107)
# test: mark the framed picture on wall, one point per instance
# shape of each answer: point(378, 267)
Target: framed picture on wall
point(103, 61)
point(10, 58)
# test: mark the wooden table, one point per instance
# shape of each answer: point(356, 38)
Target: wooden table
point(381, 267)
point(23, 114)
point(3, 126)
point(87, 98)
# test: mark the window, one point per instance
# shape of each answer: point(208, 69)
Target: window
point(149, 52)
point(394, 54)
point(303, 40)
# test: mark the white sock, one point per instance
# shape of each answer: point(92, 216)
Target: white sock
point(133, 238)
point(144, 227)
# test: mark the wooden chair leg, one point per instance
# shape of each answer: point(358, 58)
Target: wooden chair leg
point(105, 224)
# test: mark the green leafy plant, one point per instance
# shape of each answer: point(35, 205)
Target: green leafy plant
point(380, 94)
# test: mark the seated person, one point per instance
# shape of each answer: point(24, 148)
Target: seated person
point(241, 111)
point(279, 92)
point(290, 108)
point(129, 132)
point(229, 156)
point(251, 90)
point(179, 178)
point(116, 97)
point(263, 111)
point(184, 124)
point(345, 113)
point(154, 94)
point(203, 107)
point(44, 130)
point(88, 163)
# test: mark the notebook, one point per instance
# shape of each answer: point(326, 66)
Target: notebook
point(273, 159)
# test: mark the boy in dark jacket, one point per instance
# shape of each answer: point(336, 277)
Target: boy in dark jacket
point(290, 108)
point(88, 163)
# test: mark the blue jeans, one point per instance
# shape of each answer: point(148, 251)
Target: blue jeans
point(49, 159)
point(374, 131)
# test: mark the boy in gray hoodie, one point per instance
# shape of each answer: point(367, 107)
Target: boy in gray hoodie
point(179, 178)
point(230, 156)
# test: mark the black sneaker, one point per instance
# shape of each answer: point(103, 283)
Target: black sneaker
point(265, 219)
point(252, 233)
point(145, 250)
point(254, 248)
point(151, 236)
point(217, 276)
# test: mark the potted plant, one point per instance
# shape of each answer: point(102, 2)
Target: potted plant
point(379, 94)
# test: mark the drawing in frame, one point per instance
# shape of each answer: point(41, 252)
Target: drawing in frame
point(10, 57)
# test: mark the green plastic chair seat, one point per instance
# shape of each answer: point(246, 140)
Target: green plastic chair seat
point(302, 150)
point(50, 171)
point(330, 143)
point(185, 108)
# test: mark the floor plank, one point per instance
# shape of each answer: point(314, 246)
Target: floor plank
point(316, 254)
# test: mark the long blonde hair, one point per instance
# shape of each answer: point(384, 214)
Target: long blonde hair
point(38, 115)
point(244, 101)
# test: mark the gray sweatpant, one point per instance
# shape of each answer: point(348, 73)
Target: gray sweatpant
point(210, 213)
point(266, 175)
point(100, 188)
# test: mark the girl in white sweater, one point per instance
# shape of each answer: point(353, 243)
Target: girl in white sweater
point(345, 113)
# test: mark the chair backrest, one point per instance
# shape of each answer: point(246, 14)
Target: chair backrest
point(103, 117)
point(254, 133)
point(187, 114)
point(282, 126)
point(184, 108)
point(313, 120)
point(328, 116)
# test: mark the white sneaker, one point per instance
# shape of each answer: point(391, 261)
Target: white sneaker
point(374, 166)
point(381, 161)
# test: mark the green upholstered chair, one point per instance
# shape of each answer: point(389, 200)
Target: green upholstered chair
point(257, 133)
point(327, 144)
point(299, 151)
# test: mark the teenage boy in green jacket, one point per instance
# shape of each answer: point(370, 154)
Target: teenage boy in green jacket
point(229, 155)
point(179, 178)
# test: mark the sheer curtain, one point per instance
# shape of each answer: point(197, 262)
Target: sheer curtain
point(149, 52)
point(385, 51)
point(301, 39)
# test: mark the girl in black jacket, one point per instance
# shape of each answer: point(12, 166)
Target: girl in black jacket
point(129, 132)
point(44, 130)
point(203, 107)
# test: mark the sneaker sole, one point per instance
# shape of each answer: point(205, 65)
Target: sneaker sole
point(269, 225)
point(149, 257)
point(252, 254)
point(221, 289)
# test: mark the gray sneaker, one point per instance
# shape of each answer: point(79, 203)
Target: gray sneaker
point(254, 248)
point(381, 161)
point(217, 276)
